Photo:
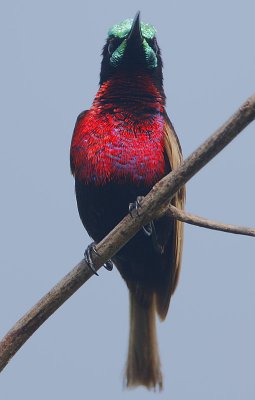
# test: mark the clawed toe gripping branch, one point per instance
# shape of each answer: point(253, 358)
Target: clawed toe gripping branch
point(153, 205)
point(89, 260)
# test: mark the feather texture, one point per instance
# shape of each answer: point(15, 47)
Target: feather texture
point(121, 147)
point(174, 154)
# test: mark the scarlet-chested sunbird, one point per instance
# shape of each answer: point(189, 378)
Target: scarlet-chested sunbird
point(121, 147)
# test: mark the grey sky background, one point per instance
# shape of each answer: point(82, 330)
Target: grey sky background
point(50, 61)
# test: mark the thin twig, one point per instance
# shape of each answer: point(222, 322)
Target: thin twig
point(207, 223)
point(159, 196)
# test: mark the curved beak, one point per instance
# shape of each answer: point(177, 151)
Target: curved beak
point(135, 36)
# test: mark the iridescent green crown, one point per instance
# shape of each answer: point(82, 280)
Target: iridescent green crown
point(121, 31)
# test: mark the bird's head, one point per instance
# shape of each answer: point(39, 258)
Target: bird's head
point(131, 46)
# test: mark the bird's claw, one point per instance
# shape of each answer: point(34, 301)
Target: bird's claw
point(148, 229)
point(88, 258)
point(108, 265)
point(135, 206)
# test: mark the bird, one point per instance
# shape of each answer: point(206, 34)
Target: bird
point(121, 147)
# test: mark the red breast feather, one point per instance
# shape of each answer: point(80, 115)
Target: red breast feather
point(121, 137)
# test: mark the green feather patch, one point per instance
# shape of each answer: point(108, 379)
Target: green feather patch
point(118, 53)
point(150, 55)
point(122, 29)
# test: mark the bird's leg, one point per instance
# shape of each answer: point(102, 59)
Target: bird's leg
point(135, 206)
point(148, 229)
point(88, 258)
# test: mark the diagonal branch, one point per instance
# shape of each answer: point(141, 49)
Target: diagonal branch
point(158, 197)
point(207, 223)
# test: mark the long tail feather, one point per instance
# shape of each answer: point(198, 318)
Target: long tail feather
point(143, 364)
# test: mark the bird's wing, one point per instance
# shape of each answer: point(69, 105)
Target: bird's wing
point(78, 120)
point(173, 250)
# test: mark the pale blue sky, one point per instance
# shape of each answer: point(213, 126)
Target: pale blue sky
point(50, 61)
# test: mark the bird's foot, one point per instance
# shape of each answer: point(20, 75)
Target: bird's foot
point(108, 265)
point(88, 258)
point(149, 229)
point(134, 207)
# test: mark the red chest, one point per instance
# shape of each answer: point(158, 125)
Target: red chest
point(121, 137)
point(118, 147)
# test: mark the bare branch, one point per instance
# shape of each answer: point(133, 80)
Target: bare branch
point(207, 223)
point(159, 197)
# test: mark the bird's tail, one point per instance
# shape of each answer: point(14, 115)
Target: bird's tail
point(143, 363)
